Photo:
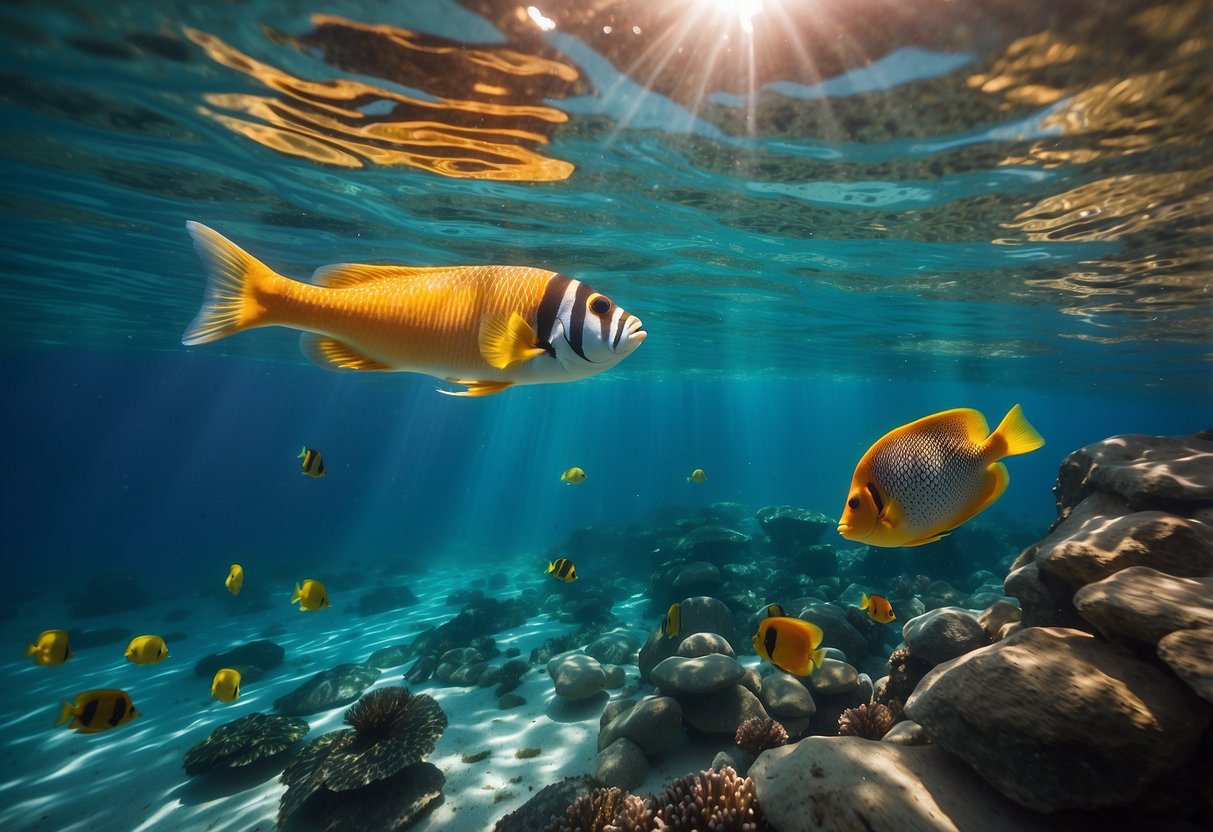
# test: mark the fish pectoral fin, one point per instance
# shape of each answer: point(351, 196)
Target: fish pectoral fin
point(505, 341)
point(332, 354)
point(930, 538)
point(475, 388)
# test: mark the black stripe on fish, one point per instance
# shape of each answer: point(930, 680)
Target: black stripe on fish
point(549, 308)
point(577, 320)
point(119, 712)
point(604, 325)
point(876, 498)
point(623, 319)
point(768, 641)
point(88, 713)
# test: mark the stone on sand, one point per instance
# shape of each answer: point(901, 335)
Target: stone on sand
point(704, 674)
point(942, 634)
point(576, 675)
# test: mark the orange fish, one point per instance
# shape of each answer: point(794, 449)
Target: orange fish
point(878, 607)
point(484, 327)
point(924, 479)
point(790, 644)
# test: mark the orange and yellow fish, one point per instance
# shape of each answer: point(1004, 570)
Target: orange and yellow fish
point(878, 607)
point(483, 327)
point(791, 644)
point(95, 711)
point(921, 480)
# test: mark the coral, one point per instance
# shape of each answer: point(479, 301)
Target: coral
point(718, 800)
point(595, 812)
point(757, 734)
point(244, 741)
point(871, 722)
point(527, 752)
point(905, 672)
point(390, 729)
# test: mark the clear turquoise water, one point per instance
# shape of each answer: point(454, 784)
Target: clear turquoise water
point(881, 239)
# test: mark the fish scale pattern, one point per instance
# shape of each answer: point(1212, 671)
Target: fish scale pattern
point(929, 474)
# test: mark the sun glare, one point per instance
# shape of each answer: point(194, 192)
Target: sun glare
point(744, 10)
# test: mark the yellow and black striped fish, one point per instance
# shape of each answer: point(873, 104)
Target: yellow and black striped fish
point(95, 711)
point(562, 569)
point(774, 611)
point(313, 462)
point(484, 327)
point(671, 625)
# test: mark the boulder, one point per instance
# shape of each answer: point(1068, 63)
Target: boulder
point(1144, 604)
point(836, 630)
point(1190, 654)
point(704, 644)
point(327, 690)
point(783, 696)
point(697, 577)
point(942, 634)
point(704, 674)
point(714, 544)
point(576, 675)
point(790, 528)
point(622, 765)
point(995, 618)
point(907, 732)
point(263, 654)
point(615, 647)
point(651, 724)
point(721, 712)
point(1142, 470)
point(833, 678)
point(1057, 719)
point(1103, 544)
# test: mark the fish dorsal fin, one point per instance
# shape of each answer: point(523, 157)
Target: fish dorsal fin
point(475, 388)
point(348, 275)
point(332, 354)
point(505, 341)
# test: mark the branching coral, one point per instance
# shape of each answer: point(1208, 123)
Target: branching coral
point(757, 734)
point(871, 722)
point(718, 800)
point(594, 812)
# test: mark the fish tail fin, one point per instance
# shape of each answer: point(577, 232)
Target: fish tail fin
point(233, 280)
point(865, 601)
point(30, 650)
point(66, 711)
point(818, 656)
point(1014, 435)
point(297, 595)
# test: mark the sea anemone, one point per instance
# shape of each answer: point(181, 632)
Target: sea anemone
point(871, 722)
point(391, 729)
point(243, 741)
point(757, 734)
point(718, 800)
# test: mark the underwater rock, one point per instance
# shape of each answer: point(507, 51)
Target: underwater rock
point(386, 657)
point(464, 596)
point(468, 675)
point(576, 676)
point(697, 578)
point(510, 700)
point(1142, 470)
point(905, 672)
point(1058, 719)
point(704, 674)
point(615, 676)
point(837, 631)
point(651, 724)
point(327, 689)
point(479, 617)
point(839, 784)
point(615, 647)
point(1044, 599)
point(107, 593)
point(547, 804)
point(790, 528)
point(907, 732)
point(388, 805)
point(714, 544)
point(943, 634)
point(704, 644)
point(833, 678)
point(263, 654)
point(995, 618)
point(819, 559)
point(1190, 654)
point(243, 741)
point(783, 695)
point(422, 669)
point(942, 594)
point(721, 712)
point(621, 764)
point(700, 614)
point(1144, 604)
point(386, 599)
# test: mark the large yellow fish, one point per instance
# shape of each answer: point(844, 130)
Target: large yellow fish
point(484, 327)
point(95, 711)
point(924, 479)
point(790, 644)
point(311, 596)
point(226, 685)
point(50, 648)
point(146, 650)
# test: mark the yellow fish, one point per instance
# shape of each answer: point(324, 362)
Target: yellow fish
point(226, 685)
point(924, 479)
point(790, 644)
point(573, 476)
point(95, 711)
point(698, 475)
point(878, 607)
point(50, 648)
point(484, 327)
point(146, 650)
point(313, 462)
point(311, 596)
point(562, 569)
point(671, 626)
point(774, 611)
point(235, 579)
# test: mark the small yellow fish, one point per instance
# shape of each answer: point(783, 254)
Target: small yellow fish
point(671, 625)
point(774, 611)
point(235, 579)
point(483, 327)
point(921, 480)
point(698, 475)
point(311, 596)
point(146, 650)
point(573, 476)
point(95, 711)
point(562, 569)
point(791, 644)
point(878, 607)
point(313, 462)
point(50, 648)
point(226, 685)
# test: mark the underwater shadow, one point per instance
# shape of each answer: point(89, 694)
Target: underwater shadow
point(229, 781)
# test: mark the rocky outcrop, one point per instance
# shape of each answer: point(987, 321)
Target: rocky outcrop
point(576, 675)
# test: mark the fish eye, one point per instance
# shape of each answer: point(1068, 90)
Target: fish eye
point(853, 503)
point(599, 304)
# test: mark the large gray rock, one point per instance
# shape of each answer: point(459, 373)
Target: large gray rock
point(700, 614)
point(704, 674)
point(704, 644)
point(651, 723)
point(1103, 544)
point(1143, 470)
point(997, 617)
point(942, 634)
point(697, 576)
point(721, 712)
point(622, 765)
point(834, 678)
point(790, 528)
point(842, 784)
point(1144, 604)
point(615, 647)
point(576, 675)
point(1190, 654)
point(326, 690)
point(783, 696)
point(1057, 719)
